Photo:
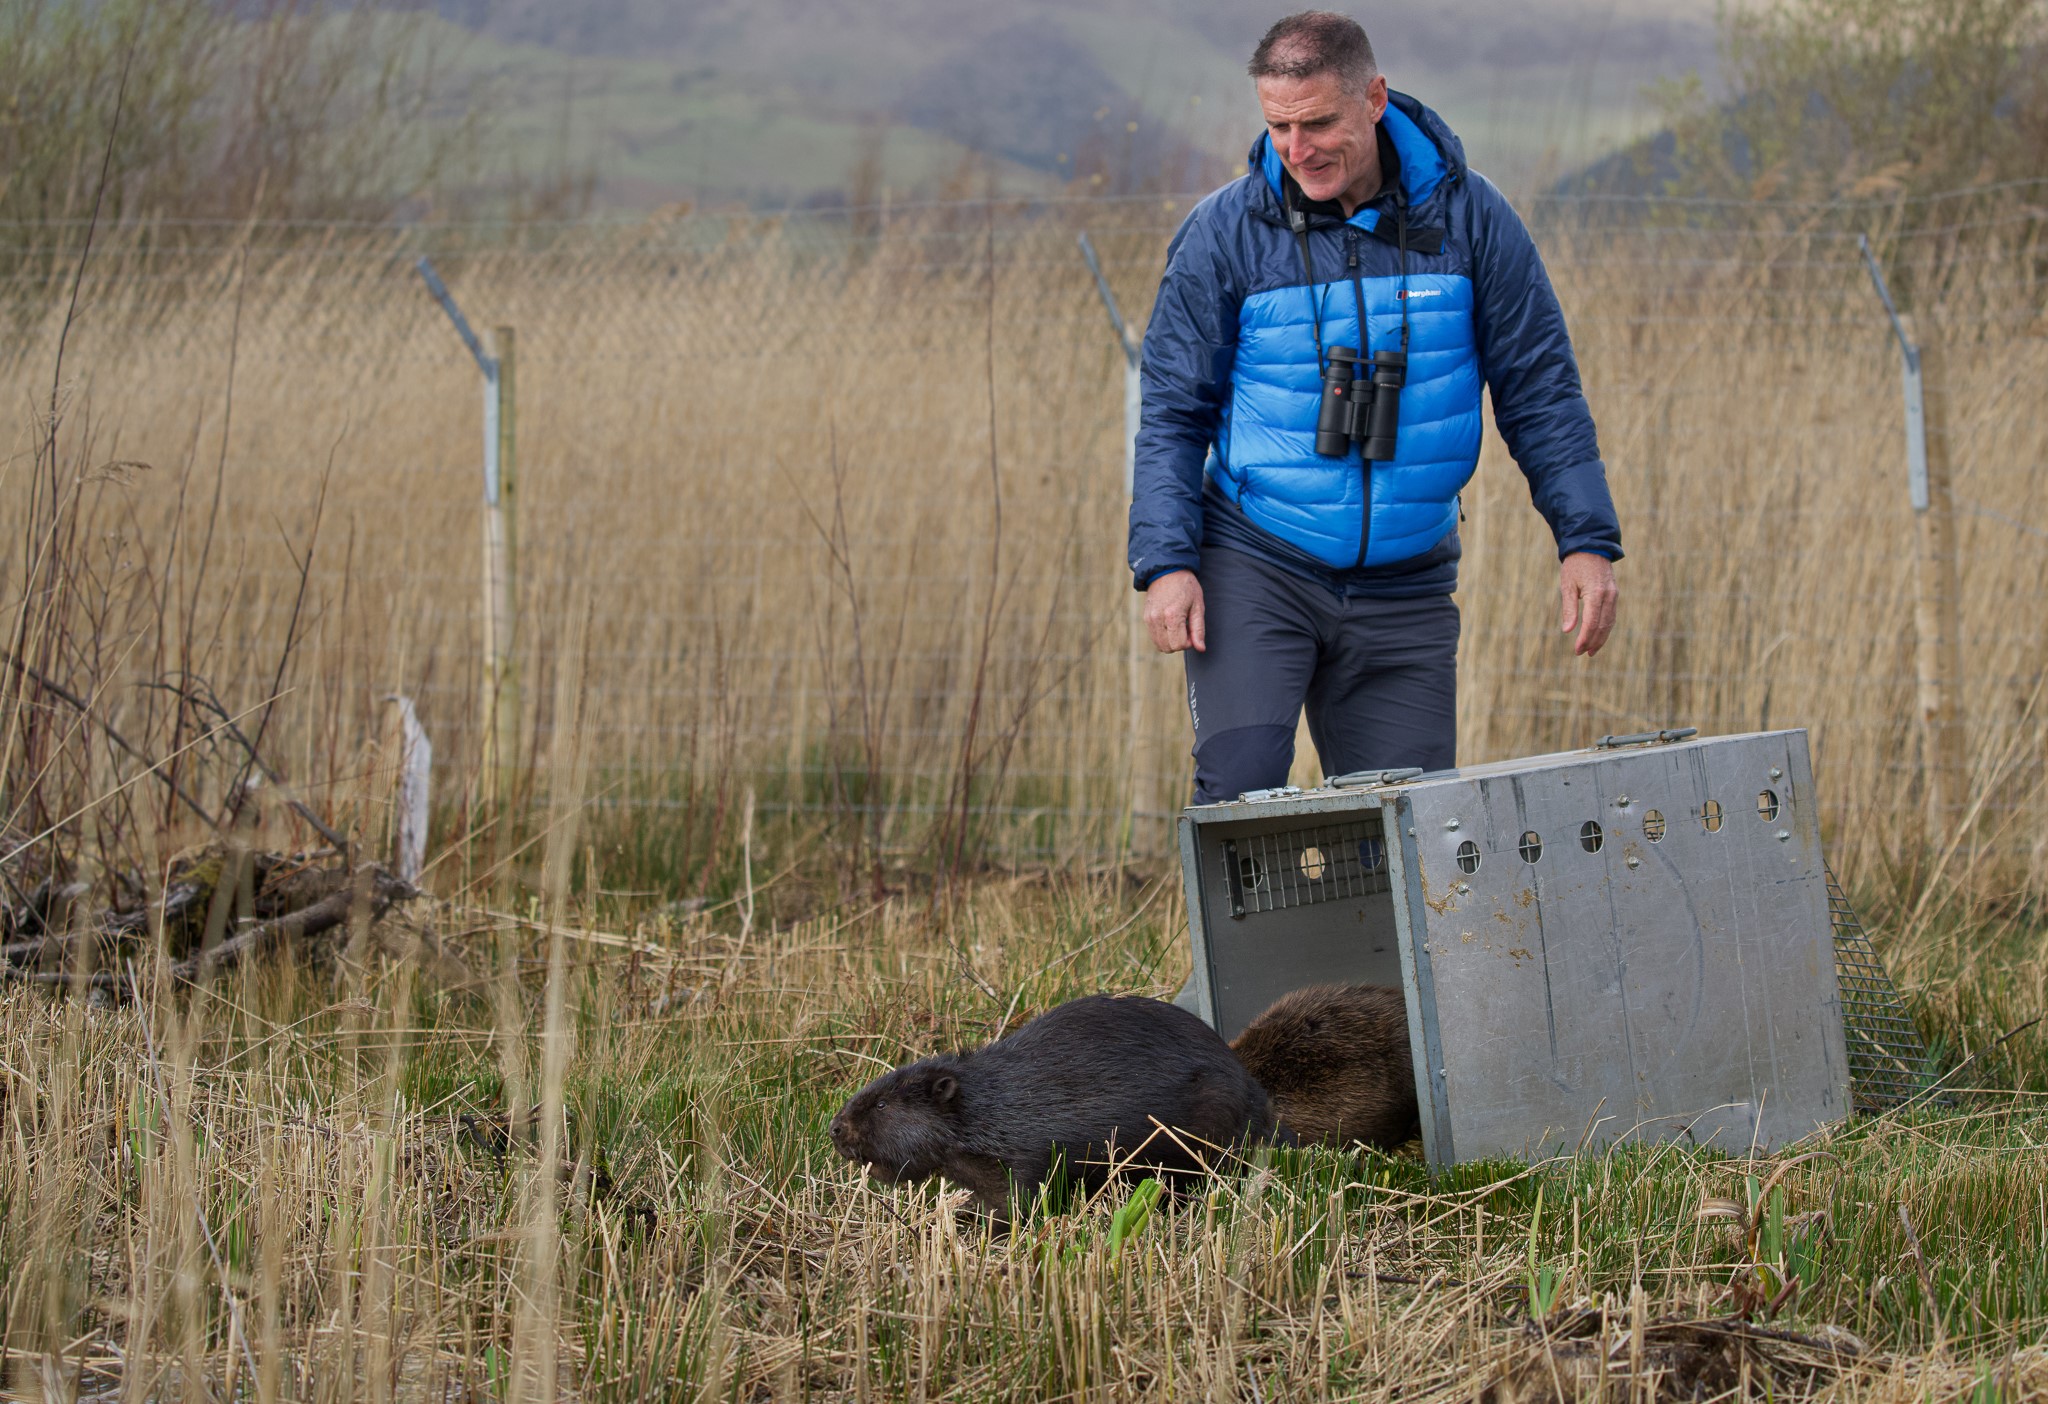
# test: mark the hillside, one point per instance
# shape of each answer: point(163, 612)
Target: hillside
point(804, 101)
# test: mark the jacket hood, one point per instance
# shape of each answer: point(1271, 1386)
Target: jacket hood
point(1430, 152)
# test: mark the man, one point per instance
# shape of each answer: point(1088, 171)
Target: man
point(1294, 568)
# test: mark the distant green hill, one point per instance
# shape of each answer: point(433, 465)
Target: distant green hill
point(775, 102)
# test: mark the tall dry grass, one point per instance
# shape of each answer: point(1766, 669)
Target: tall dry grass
point(844, 497)
point(771, 560)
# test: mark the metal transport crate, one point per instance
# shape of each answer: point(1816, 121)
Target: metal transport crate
point(1630, 942)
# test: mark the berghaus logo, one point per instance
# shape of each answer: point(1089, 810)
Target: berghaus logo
point(1412, 293)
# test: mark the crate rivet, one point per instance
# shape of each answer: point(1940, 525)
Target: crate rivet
point(1450, 823)
point(1784, 834)
point(1621, 803)
point(1776, 773)
point(1464, 889)
point(1634, 862)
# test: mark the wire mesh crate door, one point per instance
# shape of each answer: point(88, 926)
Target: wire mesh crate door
point(1888, 1060)
point(1293, 868)
point(1290, 900)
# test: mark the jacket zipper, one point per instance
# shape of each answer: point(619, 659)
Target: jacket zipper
point(1365, 352)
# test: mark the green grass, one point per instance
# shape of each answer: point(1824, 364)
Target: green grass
point(710, 1241)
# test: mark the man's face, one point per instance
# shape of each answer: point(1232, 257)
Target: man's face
point(1325, 135)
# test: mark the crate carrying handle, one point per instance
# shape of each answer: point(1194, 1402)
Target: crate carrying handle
point(1354, 778)
point(1644, 738)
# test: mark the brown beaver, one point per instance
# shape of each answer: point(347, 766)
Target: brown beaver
point(1335, 1060)
point(1081, 1085)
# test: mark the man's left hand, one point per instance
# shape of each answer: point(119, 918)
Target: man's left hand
point(1586, 582)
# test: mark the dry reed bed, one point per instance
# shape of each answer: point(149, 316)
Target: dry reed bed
point(302, 1187)
point(761, 450)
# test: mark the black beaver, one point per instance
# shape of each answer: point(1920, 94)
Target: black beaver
point(1335, 1060)
point(1087, 1084)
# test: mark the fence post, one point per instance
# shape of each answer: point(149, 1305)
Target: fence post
point(501, 530)
point(1937, 606)
point(1136, 641)
point(1127, 342)
point(500, 690)
point(1937, 614)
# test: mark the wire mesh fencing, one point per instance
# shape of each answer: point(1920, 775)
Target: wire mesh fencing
point(832, 504)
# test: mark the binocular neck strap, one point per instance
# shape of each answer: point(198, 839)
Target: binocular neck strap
point(1401, 242)
point(1358, 287)
point(1299, 220)
point(1358, 295)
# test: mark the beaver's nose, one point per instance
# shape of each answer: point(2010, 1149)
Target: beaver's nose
point(842, 1137)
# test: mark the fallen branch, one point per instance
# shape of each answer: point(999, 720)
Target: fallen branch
point(176, 906)
point(1599, 1353)
point(1843, 1343)
point(1594, 1323)
point(373, 891)
point(370, 891)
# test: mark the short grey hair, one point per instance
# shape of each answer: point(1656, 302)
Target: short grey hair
point(1316, 42)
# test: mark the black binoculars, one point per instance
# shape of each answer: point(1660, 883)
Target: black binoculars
point(1358, 410)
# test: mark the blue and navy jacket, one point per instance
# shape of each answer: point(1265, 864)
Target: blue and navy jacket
point(1232, 379)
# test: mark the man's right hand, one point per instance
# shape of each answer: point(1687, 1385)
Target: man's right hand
point(1173, 613)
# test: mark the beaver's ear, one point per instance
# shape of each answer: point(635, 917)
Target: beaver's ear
point(945, 1087)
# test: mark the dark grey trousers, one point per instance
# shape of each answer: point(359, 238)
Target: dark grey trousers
point(1379, 678)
